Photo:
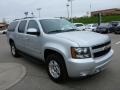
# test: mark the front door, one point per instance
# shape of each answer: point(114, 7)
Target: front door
point(33, 42)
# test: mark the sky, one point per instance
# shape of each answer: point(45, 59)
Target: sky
point(12, 9)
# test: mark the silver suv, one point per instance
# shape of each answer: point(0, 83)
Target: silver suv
point(65, 50)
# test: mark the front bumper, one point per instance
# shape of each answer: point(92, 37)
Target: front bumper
point(84, 67)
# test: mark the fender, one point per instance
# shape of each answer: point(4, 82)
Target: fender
point(58, 48)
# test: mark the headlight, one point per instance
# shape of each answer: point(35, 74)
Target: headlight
point(80, 52)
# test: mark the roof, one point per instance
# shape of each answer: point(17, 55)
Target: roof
point(35, 18)
point(107, 10)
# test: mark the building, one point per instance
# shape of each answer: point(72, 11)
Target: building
point(3, 26)
point(107, 12)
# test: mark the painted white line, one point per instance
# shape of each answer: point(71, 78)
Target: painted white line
point(10, 74)
point(117, 42)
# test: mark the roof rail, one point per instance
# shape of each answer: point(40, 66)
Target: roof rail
point(23, 18)
point(16, 19)
point(28, 17)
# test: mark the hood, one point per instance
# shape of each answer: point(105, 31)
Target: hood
point(84, 38)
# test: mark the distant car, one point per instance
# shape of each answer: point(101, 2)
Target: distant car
point(91, 27)
point(103, 28)
point(80, 26)
point(112, 26)
point(117, 29)
point(3, 31)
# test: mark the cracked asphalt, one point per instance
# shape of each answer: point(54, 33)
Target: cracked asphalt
point(37, 78)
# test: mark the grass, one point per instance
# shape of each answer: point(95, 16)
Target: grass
point(94, 19)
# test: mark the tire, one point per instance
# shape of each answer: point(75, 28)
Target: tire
point(56, 68)
point(14, 51)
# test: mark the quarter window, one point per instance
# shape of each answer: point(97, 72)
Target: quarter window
point(12, 26)
point(21, 27)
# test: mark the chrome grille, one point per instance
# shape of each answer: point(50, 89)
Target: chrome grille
point(101, 49)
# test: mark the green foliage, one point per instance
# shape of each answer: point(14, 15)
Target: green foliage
point(94, 19)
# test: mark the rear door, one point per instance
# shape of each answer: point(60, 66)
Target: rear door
point(20, 35)
point(11, 30)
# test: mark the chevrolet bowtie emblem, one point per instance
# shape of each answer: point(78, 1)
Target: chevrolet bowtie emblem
point(105, 47)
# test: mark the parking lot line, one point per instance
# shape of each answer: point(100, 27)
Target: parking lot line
point(117, 42)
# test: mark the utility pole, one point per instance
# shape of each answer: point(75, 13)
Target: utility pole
point(67, 5)
point(99, 18)
point(71, 1)
point(90, 8)
point(39, 9)
point(32, 14)
point(4, 20)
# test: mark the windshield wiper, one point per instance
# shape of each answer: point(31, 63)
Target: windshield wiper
point(73, 29)
point(55, 31)
point(58, 31)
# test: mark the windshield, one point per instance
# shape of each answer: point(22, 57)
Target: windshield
point(118, 24)
point(115, 23)
point(78, 25)
point(57, 26)
point(88, 25)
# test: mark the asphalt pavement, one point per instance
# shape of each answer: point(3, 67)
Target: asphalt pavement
point(37, 79)
point(10, 74)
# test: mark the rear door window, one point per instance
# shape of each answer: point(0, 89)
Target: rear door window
point(22, 25)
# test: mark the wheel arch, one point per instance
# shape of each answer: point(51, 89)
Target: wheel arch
point(52, 51)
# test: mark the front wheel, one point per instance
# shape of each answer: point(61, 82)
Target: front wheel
point(14, 51)
point(56, 68)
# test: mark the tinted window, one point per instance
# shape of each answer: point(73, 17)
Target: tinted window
point(33, 24)
point(12, 26)
point(21, 27)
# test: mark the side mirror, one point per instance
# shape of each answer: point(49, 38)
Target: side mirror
point(33, 31)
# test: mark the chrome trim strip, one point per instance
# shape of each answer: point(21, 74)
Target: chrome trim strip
point(102, 48)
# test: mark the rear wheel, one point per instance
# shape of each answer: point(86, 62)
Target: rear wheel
point(56, 68)
point(14, 51)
